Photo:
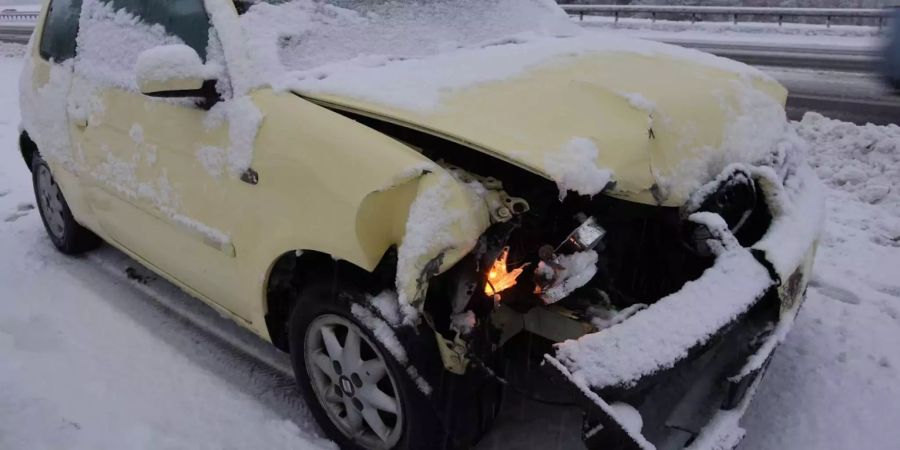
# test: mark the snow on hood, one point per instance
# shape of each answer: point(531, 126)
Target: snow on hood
point(423, 84)
point(579, 118)
point(525, 86)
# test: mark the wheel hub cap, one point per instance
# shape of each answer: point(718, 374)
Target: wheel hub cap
point(347, 386)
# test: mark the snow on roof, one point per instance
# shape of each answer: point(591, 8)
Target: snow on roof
point(312, 33)
point(656, 338)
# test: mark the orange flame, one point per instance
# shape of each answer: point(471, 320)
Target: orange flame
point(499, 279)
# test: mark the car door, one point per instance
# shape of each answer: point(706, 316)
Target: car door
point(156, 167)
point(46, 83)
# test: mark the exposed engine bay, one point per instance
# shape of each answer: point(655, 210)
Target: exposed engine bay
point(655, 321)
point(560, 269)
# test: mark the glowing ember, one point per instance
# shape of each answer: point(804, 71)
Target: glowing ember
point(498, 279)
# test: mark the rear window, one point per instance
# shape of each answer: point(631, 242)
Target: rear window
point(60, 30)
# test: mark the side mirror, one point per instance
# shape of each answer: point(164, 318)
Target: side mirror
point(175, 71)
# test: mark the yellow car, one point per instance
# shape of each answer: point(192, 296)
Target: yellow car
point(426, 201)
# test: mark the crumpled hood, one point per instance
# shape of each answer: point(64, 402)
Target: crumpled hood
point(662, 119)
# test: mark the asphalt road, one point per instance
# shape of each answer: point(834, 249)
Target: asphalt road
point(788, 55)
point(838, 82)
point(841, 83)
point(851, 96)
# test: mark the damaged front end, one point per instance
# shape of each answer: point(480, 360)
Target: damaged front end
point(660, 320)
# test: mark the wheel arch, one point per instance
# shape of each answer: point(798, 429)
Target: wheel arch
point(294, 270)
point(28, 148)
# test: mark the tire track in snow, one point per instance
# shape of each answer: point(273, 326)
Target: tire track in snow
point(835, 292)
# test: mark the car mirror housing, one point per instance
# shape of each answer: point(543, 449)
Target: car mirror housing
point(174, 71)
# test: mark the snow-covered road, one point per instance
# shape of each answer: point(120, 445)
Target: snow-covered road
point(93, 359)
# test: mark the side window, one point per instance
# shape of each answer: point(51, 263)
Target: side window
point(60, 29)
point(113, 33)
point(184, 19)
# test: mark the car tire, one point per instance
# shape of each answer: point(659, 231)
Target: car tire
point(335, 387)
point(67, 235)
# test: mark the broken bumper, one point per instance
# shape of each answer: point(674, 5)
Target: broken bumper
point(690, 363)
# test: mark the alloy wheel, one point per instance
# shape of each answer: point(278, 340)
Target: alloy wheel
point(51, 203)
point(352, 382)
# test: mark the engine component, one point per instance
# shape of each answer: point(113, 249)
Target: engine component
point(558, 275)
point(577, 270)
point(499, 278)
point(586, 237)
point(501, 205)
point(733, 195)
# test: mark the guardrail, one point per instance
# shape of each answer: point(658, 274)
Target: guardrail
point(694, 13)
point(15, 16)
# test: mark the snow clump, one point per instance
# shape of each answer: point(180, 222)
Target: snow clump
point(436, 224)
point(174, 61)
point(244, 120)
point(861, 160)
point(384, 333)
point(575, 271)
point(575, 168)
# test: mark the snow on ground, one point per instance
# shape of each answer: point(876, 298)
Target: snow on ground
point(89, 360)
point(833, 384)
point(11, 50)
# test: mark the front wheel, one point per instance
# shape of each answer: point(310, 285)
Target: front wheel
point(358, 392)
point(67, 235)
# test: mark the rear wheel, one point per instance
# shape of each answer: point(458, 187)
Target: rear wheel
point(67, 235)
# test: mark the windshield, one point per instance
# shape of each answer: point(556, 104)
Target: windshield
point(299, 35)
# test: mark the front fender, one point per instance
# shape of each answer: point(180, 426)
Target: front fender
point(433, 219)
point(330, 184)
point(316, 168)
